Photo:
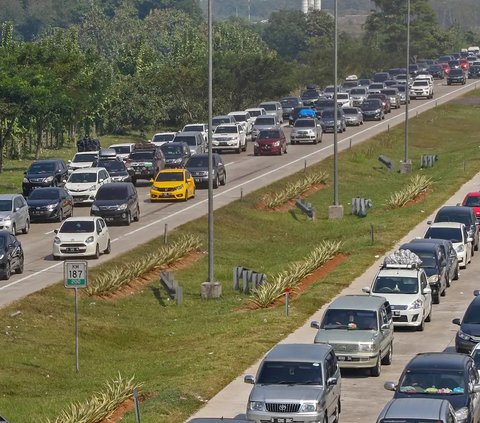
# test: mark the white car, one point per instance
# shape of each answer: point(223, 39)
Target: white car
point(406, 288)
point(123, 150)
point(161, 138)
point(82, 160)
point(229, 136)
point(197, 127)
point(457, 233)
point(421, 88)
point(255, 112)
point(243, 118)
point(81, 237)
point(344, 99)
point(83, 184)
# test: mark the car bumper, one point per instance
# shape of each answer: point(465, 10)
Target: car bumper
point(111, 215)
point(265, 416)
point(167, 196)
point(7, 225)
point(225, 147)
point(85, 197)
point(464, 345)
point(43, 214)
point(78, 249)
point(353, 122)
point(407, 318)
point(357, 360)
point(267, 149)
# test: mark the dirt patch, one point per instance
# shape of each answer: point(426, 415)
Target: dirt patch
point(420, 197)
point(139, 283)
point(123, 408)
point(291, 203)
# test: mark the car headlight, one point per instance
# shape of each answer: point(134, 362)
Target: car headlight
point(308, 407)
point(179, 160)
point(93, 188)
point(255, 144)
point(460, 248)
point(463, 335)
point(52, 206)
point(25, 180)
point(256, 406)
point(123, 206)
point(433, 279)
point(276, 144)
point(7, 219)
point(49, 179)
point(90, 239)
point(1, 256)
point(462, 414)
point(95, 208)
point(418, 303)
point(366, 347)
point(57, 240)
point(178, 187)
point(378, 110)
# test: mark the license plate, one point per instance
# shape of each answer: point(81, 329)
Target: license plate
point(344, 358)
point(198, 179)
point(282, 420)
point(72, 250)
point(396, 313)
point(164, 195)
point(109, 219)
point(224, 143)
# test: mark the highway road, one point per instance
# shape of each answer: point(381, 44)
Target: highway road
point(363, 396)
point(245, 173)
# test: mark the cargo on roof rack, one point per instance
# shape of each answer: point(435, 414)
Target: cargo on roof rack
point(401, 259)
point(145, 146)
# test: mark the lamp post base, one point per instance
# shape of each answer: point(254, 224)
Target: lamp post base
point(405, 167)
point(335, 212)
point(211, 290)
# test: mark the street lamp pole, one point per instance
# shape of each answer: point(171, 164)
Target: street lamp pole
point(211, 277)
point(406, 164)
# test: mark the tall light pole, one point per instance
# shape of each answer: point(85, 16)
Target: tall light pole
point(406, 164)
point(335, 211)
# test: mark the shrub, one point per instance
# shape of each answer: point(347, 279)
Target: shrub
point(417, 185)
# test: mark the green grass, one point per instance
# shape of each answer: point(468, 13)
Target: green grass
point(186, 354)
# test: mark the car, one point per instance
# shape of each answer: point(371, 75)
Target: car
point(329, 90)
point(474, 70)
point(117, 203)
point(393, 95)
point(402, 410)
point(288, 103)
point(444, 59)
point(198, 167)
point(323, 104)
point(461, 214)
point(442, 375)
point(197, 127)
point(123, 150)
point(401, 93)
point(116, 169)
point(413, 69)
point(161, 138)
point(403, 283)
point(296, 383)
point(357, 95)
point(344, 100)
point(306, 130)
point(82, 160)
point(106, 154)
point(376, 87)
point(145, 161)
point(14, 214)
point(86, 236)
point(294, 114)
point(53, 203)
point(390, 82)
point(475, 354)
point(310, 96)
point(464, 64)
point(244, 119)
point(172, 184)
point(353, 116)
point(396, 71)
point(456, 76)
point(381, 76)
point(263, 122)
point(457, 233)
point(229, 137)
point(454, 64)
point(472, 199)
point(254, 113)
point(83, 184)
point(11, 255)
point(176, 154)
point(468, 334)
point(421, 88)
point(436, 71)
point(446, 68)
point(387, 107)
point(194, 140)
point(364, 82)
point(348, 85)
point(270, 141)
point(273, 108)
point(360, 330)
point(44, 173)
point(435, 265)
point(403, 79)
point(328, 120)
point(218, 120)
point(372, 109)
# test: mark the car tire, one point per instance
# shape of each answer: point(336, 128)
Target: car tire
point(421, 326)
point(377, 370)
point(429, 317)
point(21, 265)
point(444, 292)
point(244, 147)
point(137, 214)
point(129, 219)
point(216, 182)
point(457, 273)
point(60, 215)
point(108, 250)
point(436, 299)
point(134, 181)
point(387, 360)
point(315, 141)
point(97, 252)
point(193, 193)
point(26, 229)
point(8, 271)
point(224, 180)
point(14, 229)
point(238, 150)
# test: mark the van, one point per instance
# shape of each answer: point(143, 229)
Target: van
point(273, 108)
point(194, 140)
point(360, 330)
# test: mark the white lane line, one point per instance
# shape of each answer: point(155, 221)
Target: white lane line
point(29, 276)
point(49, 232)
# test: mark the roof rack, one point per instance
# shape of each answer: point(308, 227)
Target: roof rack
point(402, 259)
point(145, 146)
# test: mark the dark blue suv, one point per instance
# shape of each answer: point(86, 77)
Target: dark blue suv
point(442, 375)
point(468, 334)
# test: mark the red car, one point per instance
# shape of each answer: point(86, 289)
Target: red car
point(270, 141)
point(446, 68)
point(472, 199)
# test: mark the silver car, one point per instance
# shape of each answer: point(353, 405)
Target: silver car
point(263, 122)
point(296, 383)
point(353, 116)
point(14, 216)
point(357, 95)
point(418, 409)
point(360, 330)
point(273, 108)
point(306, 130)
point(392, 93)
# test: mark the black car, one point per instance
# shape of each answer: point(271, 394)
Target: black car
point(145, 161)
point(474, 70)
point(456, 76)
point(381, 77)
point(197, 165)
point(436, 71)
point(44, 173)
point(461, 214)
point(117, 203)
point(116, 169)
point(468, 334)
point(434, 264)
point(442, 375)
point(309, 96)
point(288, 104)
point(372, 109)
point(413, 69)
point(53, 203)
point(176, 154)
point(11, 255)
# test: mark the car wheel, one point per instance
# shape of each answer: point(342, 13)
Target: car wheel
point(60, 215)
point(14, 229)
point(315, 141)
point(292, 142)
point(8, 271)
point(457, 273)
point(238, 150)
point(108, 250)
point(134, 181)
point(436, 298)
point(193, 193)
point(244, 147)
point(429, 317)
point(27, 227)
point(444, 292)
point(19, 269)
point(97, 252)
point(137, 215)
point(421, 327)
point(387, 360)
point(216, 182)
point(280, 152)
point(476, 247)
point(224, 180)
point(448, 281)
point(129, 219)
point(375, 371)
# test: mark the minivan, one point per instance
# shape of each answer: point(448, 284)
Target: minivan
point(194, 140)
point(117, 203)
point(273, 108)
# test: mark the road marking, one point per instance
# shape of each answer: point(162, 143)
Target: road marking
point(49, 232)
point(29, 276)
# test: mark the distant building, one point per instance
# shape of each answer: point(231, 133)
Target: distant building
point(309, 5)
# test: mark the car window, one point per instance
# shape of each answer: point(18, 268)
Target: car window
point(290, 372)
point(350, 319)
point(18, 203)
point(446, 382)
point(187, 174)
point(11, 239)
point(423, 279)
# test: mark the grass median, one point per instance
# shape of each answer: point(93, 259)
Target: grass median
point(185, 354)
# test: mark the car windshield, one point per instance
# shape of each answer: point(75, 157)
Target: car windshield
point(304, 123)
point(190, 140)
point(329, 89)
point(343, 96)
point(350, 319)
point(456, 72)
point(77, 227)
point(377, 86)
point(328, 114)
point(82, 178)
point(421, 83)
point(472, 315)
point(219, 121)
point(452, 234)
point(444, 381)
point(42, 168)
point(193, 128)
point(240, 118)
point(358, 91)
point(476, 358)
point(122, 149)
point(310, 94)
point(112, 192)
point(289, 102)
point(169, 176)
point(197, 162)
point(428, 260)
point(44, 194)
point(472, 201)
point(140, 156)
point(395, 285)
point(269, 107)
point(111, 165)
point(389, 92)
point(371, 104)
point(84, 158)
point(172, 150)
point(269, 134)
point(163, 138)
point(6, 205)
point(226, 130)
point(290, 373)
point(453, 217)
point(265, 121)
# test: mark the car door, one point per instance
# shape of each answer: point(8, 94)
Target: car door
point(330, 398)
point(473, 380)
point(467, 243)
point(20, 213)
point(102, 233)
point(14, 251)
point(385, 334)
point(190, 184)
point(427, 298)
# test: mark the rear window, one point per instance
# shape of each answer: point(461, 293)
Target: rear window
point(265, 121)
point(452, 234)
point(269, 107)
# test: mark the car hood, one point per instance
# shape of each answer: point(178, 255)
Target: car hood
point(38, 175)
point(300, 129)
point(471, 329)
point(74, 186)
point(269, 141)
point(168, 184)
point(5, 214)
point(285, 393)
point(102, 203)
point(42, 202)
point(398, 299)
point(344, 336)
point(74, 237)
point(457, 401)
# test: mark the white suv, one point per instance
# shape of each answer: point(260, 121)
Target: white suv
point(406, 288)
point(230, 136)
point(83, 184)
point(421, 88)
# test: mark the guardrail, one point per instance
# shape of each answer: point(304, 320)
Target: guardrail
point(428, 160)
point(174, 290)
point(387, 162)
point(250, 279)
point(306, 208)
point(360, 206)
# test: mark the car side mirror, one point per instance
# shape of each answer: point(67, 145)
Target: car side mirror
point(456, 321)
point(151, 181)
point(476, 292)
point(101, 180)
point(331, 381)
point(55, 231)
point(64, 181)
point(429, 222)
point(315, 324)
point(249, 379)
point(427, 290)
point(69, 161)
point(390, 386)
point(385, 326)
point(366, 289)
